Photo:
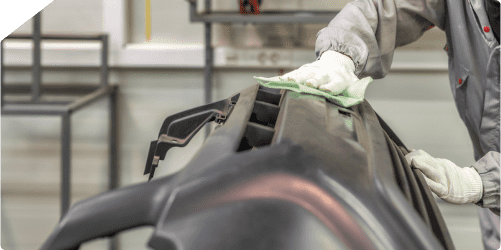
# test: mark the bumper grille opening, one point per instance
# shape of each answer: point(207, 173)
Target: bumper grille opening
point(270, 90)
point(268, 97)
point(265, 114)
point(260, 127)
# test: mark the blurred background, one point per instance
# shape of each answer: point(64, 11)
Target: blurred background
point(165, 75)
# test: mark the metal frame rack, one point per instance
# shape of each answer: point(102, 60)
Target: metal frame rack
point(88, 93)
point(208, 17)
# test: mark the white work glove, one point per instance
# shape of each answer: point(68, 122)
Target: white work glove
point(449, 182)
point(332, 73)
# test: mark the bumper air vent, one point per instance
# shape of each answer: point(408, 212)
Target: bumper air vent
point(261, 125)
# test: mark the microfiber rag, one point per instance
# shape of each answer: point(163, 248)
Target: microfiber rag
point(351, 96)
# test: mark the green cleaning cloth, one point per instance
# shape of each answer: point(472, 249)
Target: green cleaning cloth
point(352, 95)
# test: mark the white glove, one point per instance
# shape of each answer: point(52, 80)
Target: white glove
point(332, 73)
point(449, 182)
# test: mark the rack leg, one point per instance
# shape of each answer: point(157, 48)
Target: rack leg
point(113, 146)
point(113, 243)
point(208, 69)
point(104, 61)
point(65, 163)
point(2, 71)
point(37, 71)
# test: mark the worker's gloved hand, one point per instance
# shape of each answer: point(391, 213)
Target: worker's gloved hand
point(449, 182)
point(332, 73)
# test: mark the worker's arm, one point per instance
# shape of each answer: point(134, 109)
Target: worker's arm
point(488, 169)
point(368, 31)
point(360, 42)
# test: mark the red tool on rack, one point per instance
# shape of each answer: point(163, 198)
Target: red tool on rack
point(253, 5)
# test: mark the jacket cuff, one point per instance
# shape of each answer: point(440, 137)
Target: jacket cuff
point(488, 169)
point(475, 184)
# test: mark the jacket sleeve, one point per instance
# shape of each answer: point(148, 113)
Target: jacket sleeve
point(368, 31)
point(488, 169)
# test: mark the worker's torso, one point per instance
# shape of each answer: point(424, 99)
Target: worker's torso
point(474, 72)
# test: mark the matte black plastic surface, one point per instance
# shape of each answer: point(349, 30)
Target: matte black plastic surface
point(282, 171)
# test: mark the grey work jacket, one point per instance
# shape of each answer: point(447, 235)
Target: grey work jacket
point(368, 31)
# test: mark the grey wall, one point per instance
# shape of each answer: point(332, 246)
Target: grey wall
point(86, 16)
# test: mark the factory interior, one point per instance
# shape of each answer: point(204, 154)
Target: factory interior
point(119, 68)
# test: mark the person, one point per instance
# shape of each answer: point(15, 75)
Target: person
point(360, 41)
